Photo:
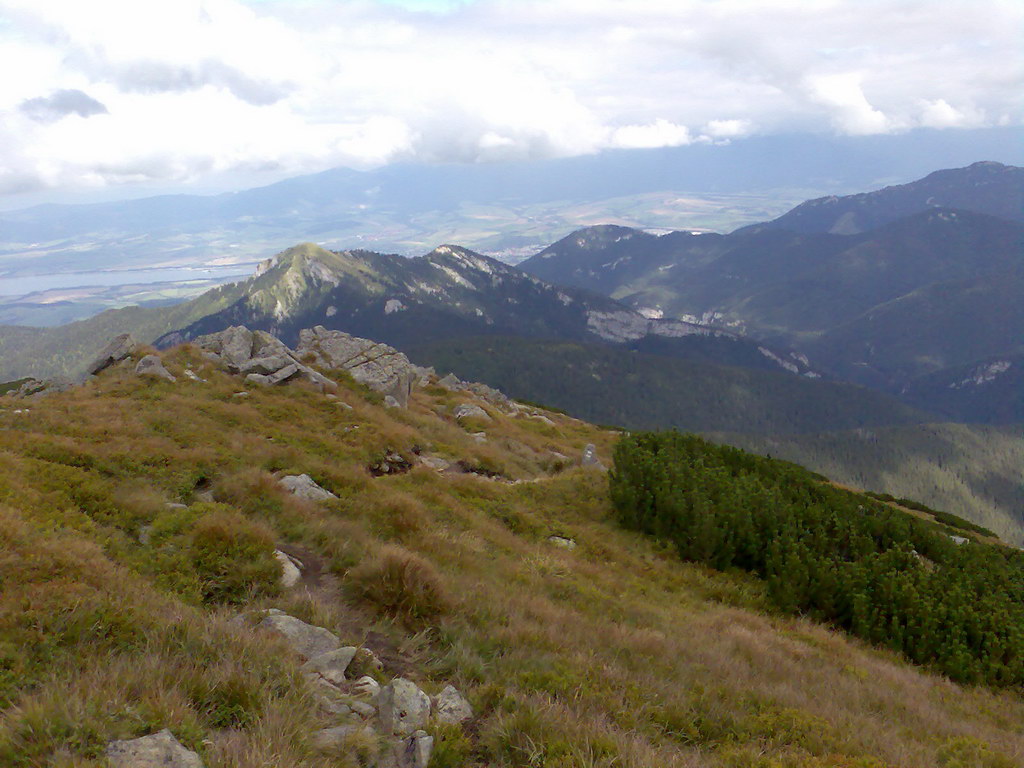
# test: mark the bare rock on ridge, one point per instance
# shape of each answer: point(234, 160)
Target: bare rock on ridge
point(151, 365)
point(116, 350)
point(382, 368)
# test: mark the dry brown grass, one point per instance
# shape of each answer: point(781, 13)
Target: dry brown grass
point(612, 654)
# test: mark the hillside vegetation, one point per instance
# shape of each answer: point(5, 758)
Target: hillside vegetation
point(969, 470)
point(609, 385)
point(921, 588)
point(117, 614)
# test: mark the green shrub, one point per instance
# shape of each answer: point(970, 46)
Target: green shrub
point(878, 572)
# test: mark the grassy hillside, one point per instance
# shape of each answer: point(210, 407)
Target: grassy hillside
point(610, 385)
point(613, 653)
point(969, 470)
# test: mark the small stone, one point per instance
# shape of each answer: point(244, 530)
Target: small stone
point(404, 708)
point(480, 437)
point(158, 750)
point(562, 541)
point(451, 706)
point(290, 573)
point(240, 394)
point(589, 457)
point(305, 639)
point(959, 540)
point(450, 382)
point(332, 665)
point(366, 687)
point(363, 709)
point(151, 365)
point(414, 751)
point(334, 738)
point(434, 462)
point(175, 505)
point(304, 487)
point(467, 411)
point(391, 402)
point(189, 373)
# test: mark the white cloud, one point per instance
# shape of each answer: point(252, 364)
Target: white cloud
point(199, 87)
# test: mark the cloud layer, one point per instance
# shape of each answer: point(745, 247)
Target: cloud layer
point(121, 91)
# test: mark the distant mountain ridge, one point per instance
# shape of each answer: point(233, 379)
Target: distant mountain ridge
point(983, 187)
point(935, 289)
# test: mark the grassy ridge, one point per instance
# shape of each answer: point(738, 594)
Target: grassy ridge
point(613, 654)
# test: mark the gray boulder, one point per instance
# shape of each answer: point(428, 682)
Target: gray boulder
point(305, 639)
point(451, 382)
point(331, 665)
point(151, 365)
point(404, 708)
point(116, 350)
point(333, 739)
point(290, 572)
point(158, 750)
point(304, 487)
point(378, 366)
point(414, 751)
point(466, 411)
point(450, 706)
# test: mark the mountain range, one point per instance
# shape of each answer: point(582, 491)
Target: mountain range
point(937, 288)
point(765, 332)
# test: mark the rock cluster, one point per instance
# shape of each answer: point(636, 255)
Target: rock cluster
point(260, 357)
point(398, 712)
point(378, 366)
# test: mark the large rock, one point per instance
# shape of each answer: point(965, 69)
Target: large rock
point(151, 365)
point(304, 487)
point(158, 750)
point(305, 639)
point(469, 411)
point(332, 665)
point(291, 574)
point(403, 707)
point(451, 706)
point(378, 366)
point(414, 751)
point(116, 350)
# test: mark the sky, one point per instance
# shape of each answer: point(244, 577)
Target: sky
point(116, 94)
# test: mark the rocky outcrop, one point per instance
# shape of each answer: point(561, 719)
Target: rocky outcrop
point(262, 358)
point(158, 750)
point(151, 365)
point(382, 368)
point(119, 348)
